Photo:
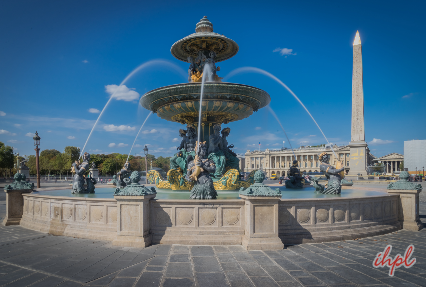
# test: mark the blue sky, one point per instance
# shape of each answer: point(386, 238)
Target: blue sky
point(59, 60)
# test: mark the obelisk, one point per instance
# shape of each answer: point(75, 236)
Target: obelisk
point(358, 146)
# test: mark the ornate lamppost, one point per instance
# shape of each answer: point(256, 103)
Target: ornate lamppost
point(36, 139)
point(145, 150)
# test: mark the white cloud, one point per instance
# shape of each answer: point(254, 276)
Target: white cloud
point(85, 61)
point(284, 51)
point(30, 135)
point(312, 135)
point(379, 142)
point(117, 145)
point(122, 93)
point(122, 128)
point(2, 114)
point(94, 111)
point(257, 128)
point(12, 141)
point(95, 150)
point(276, 144)
point(17, 125)
point(408, 95)
point(5, 132)
point(153, 131)
point(70, 137)
point(175, 140)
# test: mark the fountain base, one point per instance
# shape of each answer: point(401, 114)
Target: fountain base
point(176, 180)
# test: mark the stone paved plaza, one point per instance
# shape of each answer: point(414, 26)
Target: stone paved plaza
point(30, 258)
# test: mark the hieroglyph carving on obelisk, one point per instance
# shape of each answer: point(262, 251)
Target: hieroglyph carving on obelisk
point(357, 131)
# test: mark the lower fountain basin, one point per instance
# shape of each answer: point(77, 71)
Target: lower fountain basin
point(173, 218)
point(287, 193)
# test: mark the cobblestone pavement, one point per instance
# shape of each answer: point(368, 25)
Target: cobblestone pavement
point(30, 258)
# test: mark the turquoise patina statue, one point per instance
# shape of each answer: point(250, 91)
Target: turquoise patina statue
point(403, 183)
point(20, 182)
point(123, 176)
point(216, 153)
point(296, 180)
point(79, 178)
point(186, 150)
point(258, 188)
point(231, 158)
point(134, 188)
point(333, 175)
point(199, 171)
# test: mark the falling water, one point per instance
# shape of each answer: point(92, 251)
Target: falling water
point(150, 113)
point(263, 72)
point(142, 66)
point(275, 116)
point(206, 73)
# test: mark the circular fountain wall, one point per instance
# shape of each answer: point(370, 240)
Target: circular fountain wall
point(302, 216)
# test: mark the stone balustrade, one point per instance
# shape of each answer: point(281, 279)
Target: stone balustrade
point(143, 220)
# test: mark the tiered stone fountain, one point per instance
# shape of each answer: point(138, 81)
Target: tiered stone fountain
point(222, 103)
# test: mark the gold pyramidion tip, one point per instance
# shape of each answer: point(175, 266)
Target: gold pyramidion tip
point(357, 40)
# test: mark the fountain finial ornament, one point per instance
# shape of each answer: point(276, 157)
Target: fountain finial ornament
point(204, 25)
point(20, 182)
point(133, 188)
point(403, 183)
point(258, 188)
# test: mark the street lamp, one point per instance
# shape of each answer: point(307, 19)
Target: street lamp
point(145, 150)
point(36, 139)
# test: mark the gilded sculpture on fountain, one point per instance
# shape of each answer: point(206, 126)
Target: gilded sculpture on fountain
point(199, 171)
point(222, 103)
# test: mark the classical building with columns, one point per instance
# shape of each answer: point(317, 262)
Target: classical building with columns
point(280, 161)
point(391, 162)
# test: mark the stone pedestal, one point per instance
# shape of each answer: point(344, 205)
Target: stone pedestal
point(133, 221)
point(14, 206)
point(408, 209)
point(94, 173)
point(358, 159)
point(261, 223)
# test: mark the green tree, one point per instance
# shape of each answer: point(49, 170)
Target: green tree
point(6, 158)
point(47, 160)
point(401, 166)
point(60, 163)
point(32, 164)
point(71, 154)
point(162, 162)
point(109, 166)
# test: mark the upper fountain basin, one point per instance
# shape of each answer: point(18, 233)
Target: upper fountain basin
point(222, 102)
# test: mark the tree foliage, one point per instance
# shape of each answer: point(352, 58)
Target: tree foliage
point(6, 157)
point(54, 162)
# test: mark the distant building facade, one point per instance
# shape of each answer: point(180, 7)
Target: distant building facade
point(391, 162)
point(242, 163)
point(280, 161)
point(415, 155)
